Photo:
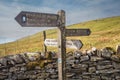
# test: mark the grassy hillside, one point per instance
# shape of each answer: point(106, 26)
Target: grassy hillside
point(105, 33)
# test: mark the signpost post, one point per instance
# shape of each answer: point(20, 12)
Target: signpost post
point(35, 19)
point(61, 46)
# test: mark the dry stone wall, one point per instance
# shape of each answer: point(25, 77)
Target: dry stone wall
point(94, 65)
point(89, 65)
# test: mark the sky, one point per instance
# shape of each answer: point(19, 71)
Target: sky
point(76, 11)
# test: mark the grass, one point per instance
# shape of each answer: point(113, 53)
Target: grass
point(105, 33)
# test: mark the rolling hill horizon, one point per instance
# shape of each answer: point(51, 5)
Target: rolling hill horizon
point(105, 32)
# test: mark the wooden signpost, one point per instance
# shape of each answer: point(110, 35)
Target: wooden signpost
point(35, 19)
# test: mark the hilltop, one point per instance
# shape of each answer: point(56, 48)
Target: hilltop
point(105, 33)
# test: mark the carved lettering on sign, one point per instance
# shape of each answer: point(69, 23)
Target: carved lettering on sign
point(33, 19)
point(77, 32)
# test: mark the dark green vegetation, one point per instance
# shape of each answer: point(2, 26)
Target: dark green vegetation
point(105, 33)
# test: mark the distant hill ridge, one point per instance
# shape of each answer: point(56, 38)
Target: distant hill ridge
point(105, 33)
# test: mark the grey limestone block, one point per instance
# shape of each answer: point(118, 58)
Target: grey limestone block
point(104, 62)
point(118, 49)
point(115, 58)
point(77, 54)
point(99, 53)
point(23, 68)
point(3, 61)
point(117, 77)
point(107, 71)
point(80, 66)
point(107, 52)
point(70, 75)
point(89, 52)
point(25, 57)
point(3, 76)
point(16, 58)
point(92, 69)
point(95, 58)
point(95, 77)
point(104, 66)
point(94, 51)
point(106, 78)
point(84, 58)
point(13, 69)
point(116, 65)
point(53, 76)
point(86, 77)
point(33, 56)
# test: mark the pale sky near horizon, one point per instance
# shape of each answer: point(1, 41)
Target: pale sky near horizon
point(76, 11)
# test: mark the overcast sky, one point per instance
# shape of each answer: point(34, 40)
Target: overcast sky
point(76, 11)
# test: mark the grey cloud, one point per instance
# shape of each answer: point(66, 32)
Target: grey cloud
point(9, 28)
point(92, 9)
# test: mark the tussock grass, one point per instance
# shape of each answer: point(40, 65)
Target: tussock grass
point(105, 33)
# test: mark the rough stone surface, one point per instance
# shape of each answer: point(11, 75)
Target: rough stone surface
point(115, 58)
point(90, 66)
point(118, 49)
point(84, 58)
point(107, 53)
point(92, 69)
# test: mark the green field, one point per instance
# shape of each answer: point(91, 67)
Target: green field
point(104, 33)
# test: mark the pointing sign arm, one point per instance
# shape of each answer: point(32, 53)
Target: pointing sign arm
point(75, 44)
point(78, 32)
point(33, 19)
